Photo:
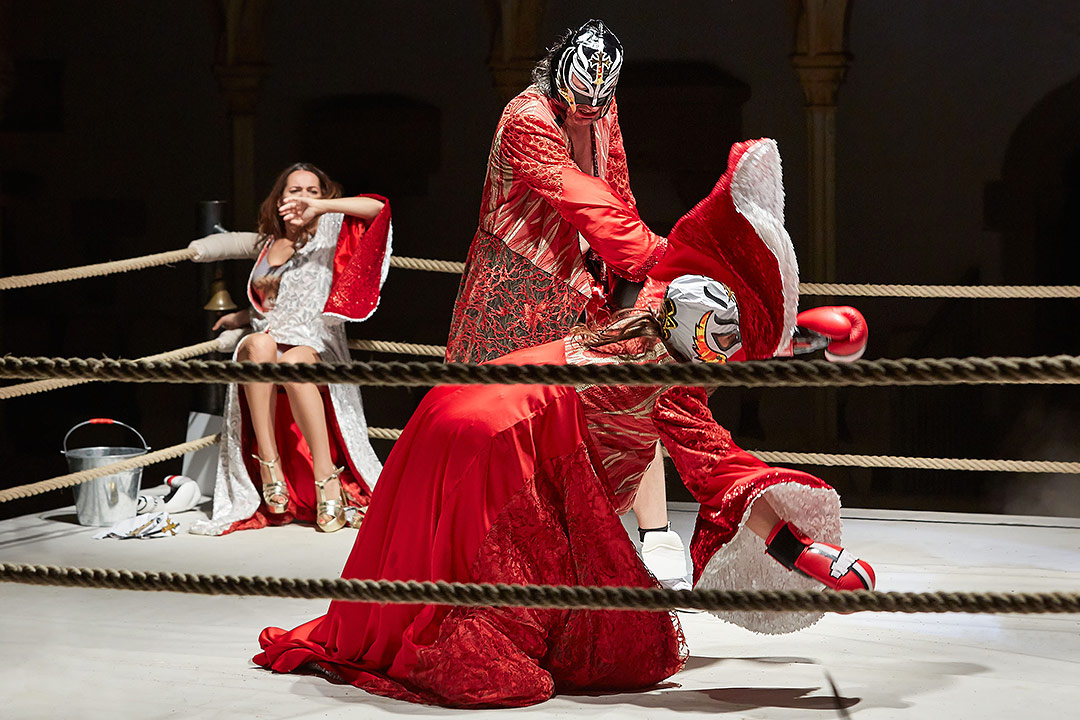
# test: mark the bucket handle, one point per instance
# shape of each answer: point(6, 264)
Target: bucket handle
point(104, 421)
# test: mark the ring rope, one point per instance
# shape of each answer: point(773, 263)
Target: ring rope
point(942, 291)
point(918, 463)
point(411, 263)
point(872, 461)
point(77, 478)
point(769, 456)
point(11, 391)
point(448, 266)
point(86, 271)
point(398, 348)
point(381, 433)
point(1060, 369)
point(848, 289)
point(542, 596)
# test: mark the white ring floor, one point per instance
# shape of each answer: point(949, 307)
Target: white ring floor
point(92, 654)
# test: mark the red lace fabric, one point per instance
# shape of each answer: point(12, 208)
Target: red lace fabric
point(525, 270)
point(559, 530)
point(489, 484)
point(360, 265)
point(626, 422)
point(724, 478)
point(522, 304)
point(295, 466)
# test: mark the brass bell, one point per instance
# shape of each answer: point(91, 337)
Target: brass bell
point(220, 300)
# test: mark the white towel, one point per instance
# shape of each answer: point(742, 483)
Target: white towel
point(158, 524)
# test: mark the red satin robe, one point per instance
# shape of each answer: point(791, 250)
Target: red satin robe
point(507, 484)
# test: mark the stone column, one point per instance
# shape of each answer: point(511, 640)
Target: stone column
point(515, 43)
point(240, 67)
point(821, 60)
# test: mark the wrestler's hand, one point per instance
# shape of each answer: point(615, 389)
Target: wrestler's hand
point(300, 211)
point(844, 326)
point(233, 320)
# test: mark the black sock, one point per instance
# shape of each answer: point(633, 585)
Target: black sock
point(641, 531)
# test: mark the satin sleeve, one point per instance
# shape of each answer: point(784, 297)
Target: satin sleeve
point(537, 156)
point(707, 459)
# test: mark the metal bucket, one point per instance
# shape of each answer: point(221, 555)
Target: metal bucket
point(107, 500)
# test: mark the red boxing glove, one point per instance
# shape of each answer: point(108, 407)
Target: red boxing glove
point(844, 325)
point(830, 565)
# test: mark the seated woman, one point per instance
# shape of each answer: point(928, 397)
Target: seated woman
point(320, 260)
point(523, 484)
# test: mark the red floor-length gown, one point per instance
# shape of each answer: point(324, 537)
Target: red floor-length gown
point(507, 484)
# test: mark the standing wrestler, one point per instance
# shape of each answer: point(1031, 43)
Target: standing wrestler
point(559, 228)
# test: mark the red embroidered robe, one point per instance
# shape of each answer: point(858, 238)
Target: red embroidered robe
point(526, 280)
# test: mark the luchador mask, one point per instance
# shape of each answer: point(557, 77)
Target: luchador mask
point(589, 67)
point(700, 319)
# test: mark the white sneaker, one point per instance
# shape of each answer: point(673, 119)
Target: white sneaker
point(681, 583)
point(665, 557)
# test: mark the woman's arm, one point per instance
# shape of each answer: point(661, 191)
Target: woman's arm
point(302, 210)
point(238, 319)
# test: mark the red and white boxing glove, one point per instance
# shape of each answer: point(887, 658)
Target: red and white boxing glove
point(830, 565)
point(844, 326)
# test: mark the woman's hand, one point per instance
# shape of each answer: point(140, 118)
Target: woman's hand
point(233, 320)
point(299, 211)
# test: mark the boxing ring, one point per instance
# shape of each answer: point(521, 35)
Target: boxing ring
point(108, 653)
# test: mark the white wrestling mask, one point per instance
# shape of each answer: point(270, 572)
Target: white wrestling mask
point(700, 319)
point(588, 70)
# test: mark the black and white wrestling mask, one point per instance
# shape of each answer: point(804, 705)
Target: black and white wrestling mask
point(700, 320)
point(588, 68)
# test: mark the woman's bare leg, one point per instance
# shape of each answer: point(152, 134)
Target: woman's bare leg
point(261, 400)
point(307, 409)
point(650, 505)
point(763, 518)
point(662, 549)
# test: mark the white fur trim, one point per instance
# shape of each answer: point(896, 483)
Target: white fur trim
point(741, 563)
point(757, 189)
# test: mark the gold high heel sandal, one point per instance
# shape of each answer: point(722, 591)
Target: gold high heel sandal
point(276, 488)
point(334, 508)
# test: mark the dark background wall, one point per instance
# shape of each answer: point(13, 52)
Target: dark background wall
point(958, 161)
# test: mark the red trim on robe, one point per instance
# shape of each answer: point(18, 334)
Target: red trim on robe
point(358, 264)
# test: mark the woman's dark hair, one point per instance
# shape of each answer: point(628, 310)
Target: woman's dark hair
point(543, 75)
point(270, 223)
point(624, 325)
